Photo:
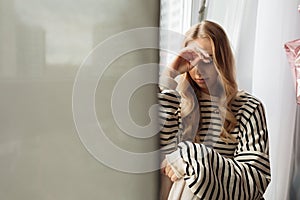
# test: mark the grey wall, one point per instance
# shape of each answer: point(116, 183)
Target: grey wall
point(43, 43)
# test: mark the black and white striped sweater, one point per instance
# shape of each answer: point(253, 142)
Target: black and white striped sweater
point(211, 168)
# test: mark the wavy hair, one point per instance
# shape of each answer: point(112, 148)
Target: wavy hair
point(224, 62)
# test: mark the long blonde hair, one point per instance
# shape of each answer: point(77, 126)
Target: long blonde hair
point(224, 62)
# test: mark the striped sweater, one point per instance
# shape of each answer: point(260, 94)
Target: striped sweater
point(210, 168)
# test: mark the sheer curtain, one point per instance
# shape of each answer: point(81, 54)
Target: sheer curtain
point(238, 18)
point(273, 82)
point(175, 17)
point(294, 185)
point(258, 31)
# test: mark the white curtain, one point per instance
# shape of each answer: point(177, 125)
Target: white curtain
point(258, 31)
point(175, 16)
point(238, 18)
point(293, 192)
point(272, 81)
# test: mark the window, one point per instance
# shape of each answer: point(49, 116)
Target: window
point(176, 17)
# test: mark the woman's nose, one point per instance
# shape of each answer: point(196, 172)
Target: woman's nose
point(197, 73)
point(198, 70)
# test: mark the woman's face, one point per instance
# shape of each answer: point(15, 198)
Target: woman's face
point(205, 74)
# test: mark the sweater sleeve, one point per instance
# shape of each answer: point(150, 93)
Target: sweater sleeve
point(210, 175)
point(170, 120)
point(169, 114)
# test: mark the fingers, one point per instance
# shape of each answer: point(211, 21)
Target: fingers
point(167, 170)
point(201, 52)
point(174, 178)
point(163, 166)
point(170, 173)
point(195, 61)
point(188, 58)
point(188, 54)
point(193, 55)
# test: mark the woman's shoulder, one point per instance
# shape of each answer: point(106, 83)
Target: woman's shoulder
point(245, 96)
point(246, 101)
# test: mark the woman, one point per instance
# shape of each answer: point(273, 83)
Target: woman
point(214, 138)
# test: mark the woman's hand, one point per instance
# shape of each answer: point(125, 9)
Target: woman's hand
point(183, 62)
point(187, 58)
point(166, 169)
point(170, 173)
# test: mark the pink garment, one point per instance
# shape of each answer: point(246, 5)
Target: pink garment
point(292, 49)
